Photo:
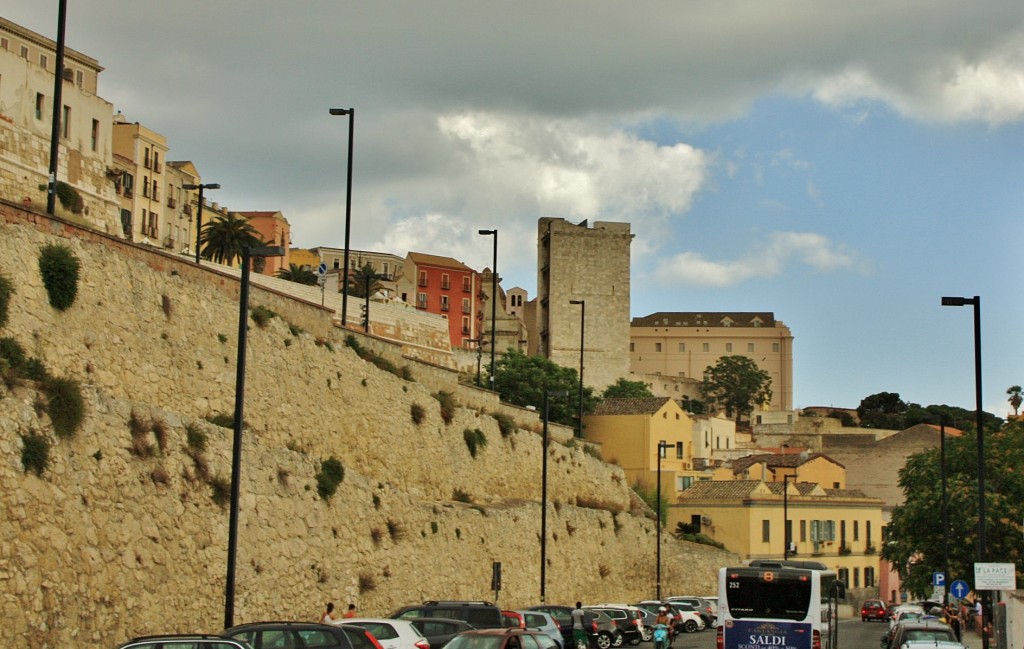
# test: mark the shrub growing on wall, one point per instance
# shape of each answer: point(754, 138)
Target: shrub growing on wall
point(35, 453)
point(59, 268)
point(331, 474)
point(65, 405)
point(6, 291)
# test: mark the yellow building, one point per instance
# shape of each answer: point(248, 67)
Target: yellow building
point(629, 431)
point(776, 467)
point(684, 345)
point(840, 527)
point(305, 259)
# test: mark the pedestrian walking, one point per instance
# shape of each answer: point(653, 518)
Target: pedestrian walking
point(328, 615)
point(579, 633)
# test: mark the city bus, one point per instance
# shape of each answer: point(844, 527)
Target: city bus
point(779, 605)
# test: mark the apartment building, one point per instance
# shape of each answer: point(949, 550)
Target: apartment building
point(275, 230)
point(580, 263)
point(449, 288)
point(684, 344)
point(27, 67)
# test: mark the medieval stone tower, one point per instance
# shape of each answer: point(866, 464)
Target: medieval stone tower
point(579, 262)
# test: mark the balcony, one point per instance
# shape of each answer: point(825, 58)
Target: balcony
point(171, 203)
point(465, 308)
point(169, 242)
point(446, 285)
point(423, 281)
point(444, 306)
point(187, 209)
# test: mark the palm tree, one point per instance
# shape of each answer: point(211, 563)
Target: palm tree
point(296, 273)
point(363, 279)
point(1015, 397)
point(225, 236)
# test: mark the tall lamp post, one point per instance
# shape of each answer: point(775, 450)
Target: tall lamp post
point(544, 493)
point(494, 296)
point(979, 423)
point(236, 448)
point(351, 112)
point(583, 325)
point(785, 514)
point(58, 106)
point(199, 211)
point(662, 445)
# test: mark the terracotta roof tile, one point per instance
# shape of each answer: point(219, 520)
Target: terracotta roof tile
point(640, 406)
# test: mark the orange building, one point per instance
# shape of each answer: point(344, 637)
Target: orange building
point(449, 288)
point(275, 231)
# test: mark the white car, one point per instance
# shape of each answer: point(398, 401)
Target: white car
point(905, 612)
point(543, 622)
point(391, 634)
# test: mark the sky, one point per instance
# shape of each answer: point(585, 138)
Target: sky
point(841, 164)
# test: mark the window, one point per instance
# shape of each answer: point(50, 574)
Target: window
point(632, 347)
point(466, 285)
point(869, 577)
point(24, 52)
point(444, 302)
point(465, 326)
point(4, 44)
point(337, 263)
point(682, 347)
point(423, 278)
point(65, 121)
point(684, 482)
point(856, 530)
point(803, 531)
point(766, 531)
point(446, 282)
point(750, 348)
point(657, 347)
point(145, 158)
point(728, 347)
point(79, 78)
point(40, 104)
point(842, 532)
point(844, 575)
point(679, 448)
point(421, 300)
point(856, 577)
point(43, 61)
point(95, 135)
point(156, 161)
point(465, 305)
point(682, 375)
point(706, 347)
point(867, 532)
point(775, 347)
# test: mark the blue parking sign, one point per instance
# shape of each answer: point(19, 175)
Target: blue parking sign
point(938, 579)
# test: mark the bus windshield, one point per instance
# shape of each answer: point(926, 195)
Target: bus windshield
point(768, 595)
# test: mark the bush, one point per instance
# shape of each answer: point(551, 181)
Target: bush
point(195, 438)
point(221, 491)
point(59, 269)
point(417, 412)
point(331, 474)
point(6, 291)
point(261, 315)
point(506, 424)
point(447, 402)
point(475, 440)
point(65, 406)
point(35, 453)
point(69, 197)
point(12, 352)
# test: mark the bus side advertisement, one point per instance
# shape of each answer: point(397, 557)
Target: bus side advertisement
point(762, 634)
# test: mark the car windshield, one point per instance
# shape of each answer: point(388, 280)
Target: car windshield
point(931, 635)
point(475, 642)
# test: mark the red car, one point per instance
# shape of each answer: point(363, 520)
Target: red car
point(873, 609)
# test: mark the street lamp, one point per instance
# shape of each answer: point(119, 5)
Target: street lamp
point(58, 106)
point(979, 423)
point(351, 112)
point(199, 211)
point(236, 448)
point(785, 514)
point(662, 445)
point(494, 296)
point(583, 324)
point(544, 492)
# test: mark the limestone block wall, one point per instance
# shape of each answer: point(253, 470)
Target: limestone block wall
point(108, 544)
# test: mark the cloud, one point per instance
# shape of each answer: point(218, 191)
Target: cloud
point(770, 260)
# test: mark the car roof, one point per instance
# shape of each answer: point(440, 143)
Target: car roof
point(503, 631)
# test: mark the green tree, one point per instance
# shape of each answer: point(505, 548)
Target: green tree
point(914, 540)
point(737, 384)
point(225, 236)
point(522, 380)
point(626, 389)
point(298, 274)
point(883, 410)
point(1015, 398)
point(359, 280)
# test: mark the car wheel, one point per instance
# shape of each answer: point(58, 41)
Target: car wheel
point(604, 640)
point(690, 626)
point(618, 640)
point(646, 634)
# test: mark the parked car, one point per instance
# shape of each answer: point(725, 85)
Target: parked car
point(703, 607)
point(390, 633)
point(360, 637)
point(907, 614)
point(894, 611)
point(543, 622)
point(479, 615)
point(599, 627)
point(931, 631)
point(626, 629)
point(439, 630)
point(642, 619)
point(291, 634)
point(186, 641)
point(873, 609)
point(683, 621)
point(510, 638)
